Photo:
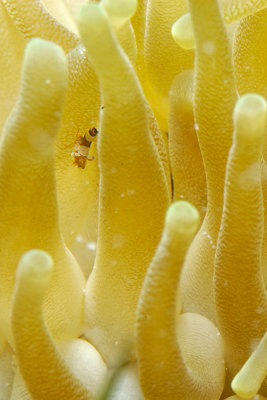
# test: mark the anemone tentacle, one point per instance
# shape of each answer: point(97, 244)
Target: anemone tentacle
point(32, 19)
point(171, 349)
point(234, 10)
point(240, 295)
point(163, 60)
point(188, 175)
point(28, 184)
point(214, 95)
point(50, 378)
point(125, 152)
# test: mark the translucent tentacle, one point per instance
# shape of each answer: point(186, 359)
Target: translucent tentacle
point(249, 379)
point(240, 295)
point(28, 212)
point(129, 164)
point(50, 377)
point(185, 355)
point(189, 182)
point(214, 98)
point(163, 59)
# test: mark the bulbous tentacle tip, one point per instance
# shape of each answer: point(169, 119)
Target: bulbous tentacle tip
point(242, 391)
point(250, 118)
point(248, 381)
point(182, 32)
point(119, 11)
point(35, 266)
point(91, 18)
point(37, 45)
point(182, 218)
point(47, 60)
point(42, 91)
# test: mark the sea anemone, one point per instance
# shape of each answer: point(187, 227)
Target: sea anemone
point(132, 193)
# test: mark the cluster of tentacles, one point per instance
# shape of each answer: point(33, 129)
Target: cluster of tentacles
point(141, 275)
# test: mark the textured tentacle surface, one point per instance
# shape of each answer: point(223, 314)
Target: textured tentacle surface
point(240, 295)
point(32, 19)
point(189, 182)
point(12, 45)
point(50, 377)
point(138, 22)
point(6, 371)
point(28, 212)
point(163, 59)
point(214, 96)
point(77, 187)
point(129, 164)
point(173, 352)
point(250, 49)
point(234, 10)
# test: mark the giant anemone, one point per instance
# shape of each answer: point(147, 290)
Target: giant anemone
point(133, 195)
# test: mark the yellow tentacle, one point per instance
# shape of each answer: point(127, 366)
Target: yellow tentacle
point(28, 212)
point(234, 10)
point(129, 164)
point(32, 19)
point(185, 355)
point(189, 182)
point(214, 98)
point(49, 377)
point(240, 295)
point(163, 59)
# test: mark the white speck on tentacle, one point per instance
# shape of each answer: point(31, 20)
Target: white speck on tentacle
point(79, 238)
point(130, 192)
point(208, 47)
point(91, 246)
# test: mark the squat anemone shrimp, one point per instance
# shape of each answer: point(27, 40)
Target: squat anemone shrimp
point(82, 147)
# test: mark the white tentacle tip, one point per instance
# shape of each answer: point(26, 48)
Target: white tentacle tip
point(241, 389)
point(119, 11)
point(182, 218)
point(250, 117)
point(182, 32)
point(46, 54)
point(92, 21)
point(35, 266)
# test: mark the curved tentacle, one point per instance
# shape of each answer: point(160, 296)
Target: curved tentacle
point(189, 182)
point(163, 59)
point(249, 379)
point(240, 295)
point(129, 165)
point(50, 377)
point(29, 212)
point(214, 99)
point(185, 355)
